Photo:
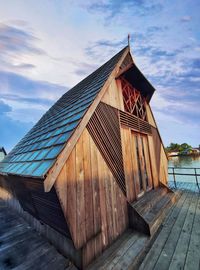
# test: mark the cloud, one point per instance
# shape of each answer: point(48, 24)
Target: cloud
point(4, 108)
point(101, 50)
point(17, 44)
point(12, 131)
point(114, 8)
point(25, 87)
point(186, 19)
point(23, 102)
point(10, 128)
point(29, 99)
point(16, 40)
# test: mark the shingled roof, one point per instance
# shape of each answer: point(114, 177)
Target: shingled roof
point(36, 153)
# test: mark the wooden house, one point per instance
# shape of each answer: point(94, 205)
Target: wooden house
point(94, 165)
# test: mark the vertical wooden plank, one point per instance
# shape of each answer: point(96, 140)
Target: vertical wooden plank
point(89, 249)
point(163, 167)
point(135, 163)
point(149, 116)
point(147, 159)
point(121, 213)
point(114, 98)
point(113, 95)
point(106, 97)
point(71, 195)
point(102, 200)
point(109, 220)
point(80, 200)
point(141, 158)
point(157, 148)
point(153, 162)
point(61, 189)
point(127, 160)
point(88, 194)
point(96, 195)
point(119, 88)
point(114, 206)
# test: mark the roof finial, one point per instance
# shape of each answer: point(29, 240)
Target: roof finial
point(129, 36)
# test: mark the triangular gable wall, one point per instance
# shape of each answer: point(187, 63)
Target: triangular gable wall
point(55, 170)
point(89, 196)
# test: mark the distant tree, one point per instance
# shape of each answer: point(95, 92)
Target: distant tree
point(185, 147)
point(175, 147)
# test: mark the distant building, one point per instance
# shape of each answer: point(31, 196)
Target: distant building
point(195, 151)
point(173, 154)
point(2, 153)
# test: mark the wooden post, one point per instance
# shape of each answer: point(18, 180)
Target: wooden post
point(174, 178)
point(196, 178)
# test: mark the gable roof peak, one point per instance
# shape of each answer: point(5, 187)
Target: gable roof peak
point(37, 152)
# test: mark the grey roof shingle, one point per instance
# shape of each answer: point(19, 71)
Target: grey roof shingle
point(36, 153)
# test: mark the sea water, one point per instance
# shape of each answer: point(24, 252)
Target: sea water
point(186, 163)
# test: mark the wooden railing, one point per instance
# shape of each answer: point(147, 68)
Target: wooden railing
point(174, 173)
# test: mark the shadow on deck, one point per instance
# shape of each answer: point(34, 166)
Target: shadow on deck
point(21, 247)
point(176, 244)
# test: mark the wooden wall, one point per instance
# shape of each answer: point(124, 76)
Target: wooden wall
point(131, 165)
point(62, 243)
point(32, 198)
point(160, 154)
point(93, 204)
point(159, 161)
point(113, 95)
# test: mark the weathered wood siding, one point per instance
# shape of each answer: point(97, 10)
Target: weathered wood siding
point(130, 166)
point(160, 155)
point(158, 159)
point(150, 117)
point(93, 204)
point(62, 243)
point(113, 95)
point(43, 206)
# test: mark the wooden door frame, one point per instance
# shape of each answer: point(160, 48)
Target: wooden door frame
point(138, 191)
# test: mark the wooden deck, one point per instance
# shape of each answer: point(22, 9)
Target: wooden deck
point(178, 243)
point(122, 254)
point(21, 247)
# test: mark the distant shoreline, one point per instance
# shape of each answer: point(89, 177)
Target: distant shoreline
point(183, 155)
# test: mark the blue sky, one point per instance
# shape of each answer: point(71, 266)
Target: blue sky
point(48, 46)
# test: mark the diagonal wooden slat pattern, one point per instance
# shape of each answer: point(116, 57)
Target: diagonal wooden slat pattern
point(104, 128)
point(134, 123)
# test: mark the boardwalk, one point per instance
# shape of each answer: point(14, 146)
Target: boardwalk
point(21, 247)
point(178, 243)
point(192, 186)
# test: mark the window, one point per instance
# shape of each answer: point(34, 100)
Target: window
point(134, 103)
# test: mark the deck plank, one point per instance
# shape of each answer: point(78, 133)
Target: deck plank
point(193, 255)
point(115, 252)
point(178, 242)
point(170, 245)
point(178, 259)
point(154, 253)
point(21, 247)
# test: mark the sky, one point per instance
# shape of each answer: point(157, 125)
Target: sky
point(48, 46)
